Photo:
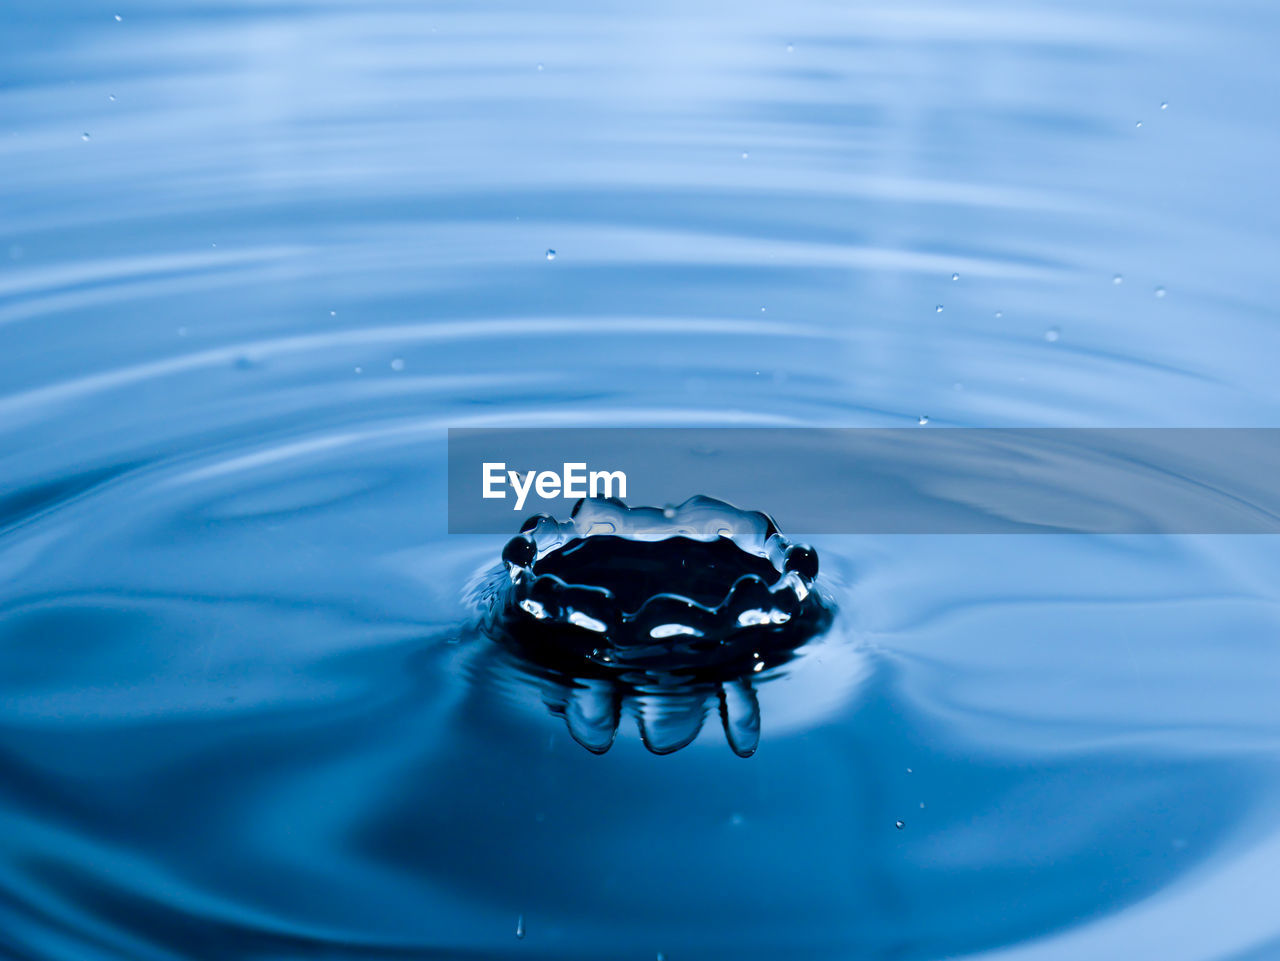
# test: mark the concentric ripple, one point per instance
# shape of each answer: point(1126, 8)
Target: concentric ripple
point(255, 259)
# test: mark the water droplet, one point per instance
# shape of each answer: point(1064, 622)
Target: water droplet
point(759, 666)
point(111, 97)
point(1160, 291)
point(359, 370)
point(921, 805)
point(84, 136)
point(551, 254)
point(737, 820)
point(791, 48)
point(938, 309)
point(1138, 124)
point(762, 310)
point(119, 18)
point(540, 68)
point(924, 419)
point(668, 512)
point(520, 926)
point(398, 364)
point(908, 770)
point(661, 956)
point(1052, 334)
point(899, 824)
point(955, 276)
point(333, 313)
point(999, 314)
point(1164, 106)
point(745, 155)
point(1118, 279)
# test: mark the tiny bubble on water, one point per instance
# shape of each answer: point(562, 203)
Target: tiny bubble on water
point(119, 18)
point(84, 136)
point(111, 97)
point(1164, 106)
point(551, 254)
point(924, 419)
point(955, 276)
point(1118, 279)
point(398, 364)
point(908, 770)
point(1138, 124)
point(1052, 334)
point(668, 512)
point(520, 926)
point(1160, 291)
point(899, 824)
point(938, 309)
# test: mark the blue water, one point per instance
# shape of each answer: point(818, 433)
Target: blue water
point(256, 257)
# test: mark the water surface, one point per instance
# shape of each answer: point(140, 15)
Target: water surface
point(255, 258)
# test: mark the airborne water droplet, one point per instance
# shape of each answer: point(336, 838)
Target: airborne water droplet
point(924, 419)
point(398, 364)
point(119, 18)
point(1118, 279)
point(899, 824)
point(745, 155)
point(111, 97)
point(84, 136)
point(1164, 106)
point(938, 309)
point(955, 276)
point(791, 48)
point(1138, 124)
point(520, 927)
point(1160, 291)
point(1052, 334)
point(551, 254)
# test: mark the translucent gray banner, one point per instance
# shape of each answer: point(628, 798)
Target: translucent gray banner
point(884, 481)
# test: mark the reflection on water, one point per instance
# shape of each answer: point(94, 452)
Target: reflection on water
point(242, 711)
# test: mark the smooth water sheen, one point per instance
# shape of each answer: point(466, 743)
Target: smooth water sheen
point(255, 257)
